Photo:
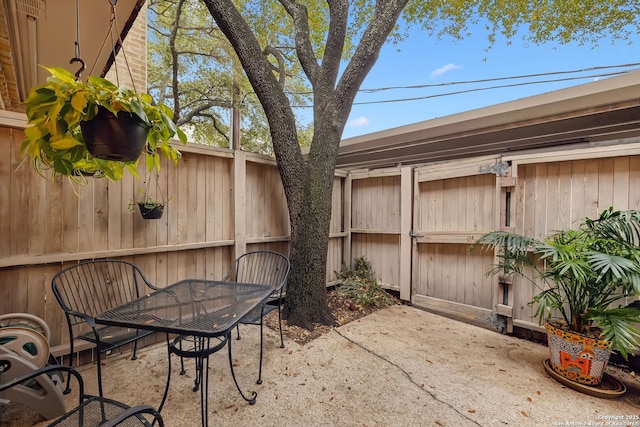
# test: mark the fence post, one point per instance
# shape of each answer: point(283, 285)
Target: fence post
point(239, 201)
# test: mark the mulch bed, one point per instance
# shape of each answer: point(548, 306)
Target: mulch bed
point(344, 310)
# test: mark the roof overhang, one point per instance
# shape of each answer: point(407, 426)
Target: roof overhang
point(604, 110)
point(44, 32)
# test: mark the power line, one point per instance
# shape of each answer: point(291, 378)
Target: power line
point(375, 90)
point(525, 76)
point(489, 87)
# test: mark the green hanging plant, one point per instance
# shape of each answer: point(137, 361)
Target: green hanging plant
point(150, 207)
point(55, 141)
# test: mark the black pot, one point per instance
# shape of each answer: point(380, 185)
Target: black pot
point(151, 212)
point(119, 138)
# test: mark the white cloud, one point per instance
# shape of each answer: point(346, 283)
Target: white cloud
point(445, 68)
point(360, 121)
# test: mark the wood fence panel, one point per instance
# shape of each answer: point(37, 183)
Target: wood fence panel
point(376, 222)
point(19, 179)
point(182, 197)
point(337, 234)
point(212, 218)
point(266, 203)
point(336, 225)
point(376, 203)
point(48, 225)
point(605, 183)
point(6, 188)
point(634, 177)
point(450, 214)
point(381, 250)
point(557, 195)
point(620, 191)
point(334, 260)
point(446, 286)
point(115, 218)
point(592, 200)
point(578, 187)
point(101, 208)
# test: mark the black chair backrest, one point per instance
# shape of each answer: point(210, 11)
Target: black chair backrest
point(263, 267)
point(91, 287)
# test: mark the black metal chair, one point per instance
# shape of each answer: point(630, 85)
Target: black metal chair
point(259, 267)
point(89, 288)
point(267, 268)
point(91, 410)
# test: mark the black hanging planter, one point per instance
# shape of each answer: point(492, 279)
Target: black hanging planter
point(151, 211)
point(111, 137)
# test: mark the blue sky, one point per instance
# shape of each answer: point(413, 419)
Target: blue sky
point(422, 60)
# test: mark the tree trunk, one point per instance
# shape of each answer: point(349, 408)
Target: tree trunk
point(306, 301)
point(308, 185)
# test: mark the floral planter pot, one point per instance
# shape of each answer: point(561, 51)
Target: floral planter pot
point(575, 356)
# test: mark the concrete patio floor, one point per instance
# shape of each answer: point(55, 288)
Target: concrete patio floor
point(400, 366)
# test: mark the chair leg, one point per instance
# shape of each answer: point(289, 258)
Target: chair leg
point(68, 389)
point(182, 370)
point(198, 344)
point(280, 326)
point(238, 331)
point(135, 348)
point(99, 370)
point(260, 365)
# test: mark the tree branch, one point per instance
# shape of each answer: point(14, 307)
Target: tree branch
point(338, 18)
point(382, 23)
point(304, 49)
point(280, 60)
point(174, 61)
point(282, 124)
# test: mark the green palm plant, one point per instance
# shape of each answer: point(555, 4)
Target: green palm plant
point(583, 274)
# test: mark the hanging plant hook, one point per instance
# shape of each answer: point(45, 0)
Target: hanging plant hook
point(82, 66)
point(77, 44)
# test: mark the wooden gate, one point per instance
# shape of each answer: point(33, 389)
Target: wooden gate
point(455, 203)
point(531, 194)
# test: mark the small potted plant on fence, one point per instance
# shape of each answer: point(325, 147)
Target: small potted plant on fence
point(150, 208)
point(586, 276)
point(73, 124)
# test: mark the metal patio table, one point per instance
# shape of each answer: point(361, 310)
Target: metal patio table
point(203, 312)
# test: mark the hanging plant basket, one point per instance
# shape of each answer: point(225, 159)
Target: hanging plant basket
point(111, 137)
point(148, 205)
point(149, 211)
point(95, 127)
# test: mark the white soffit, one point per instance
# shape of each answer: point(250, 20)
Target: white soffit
point(607, 108)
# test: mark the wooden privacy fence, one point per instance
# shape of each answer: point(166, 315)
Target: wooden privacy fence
point(415, 224)
point(221, 204)
point(423, 246)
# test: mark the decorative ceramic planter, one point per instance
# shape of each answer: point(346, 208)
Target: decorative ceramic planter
point(119, 138)
point(575, 356)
